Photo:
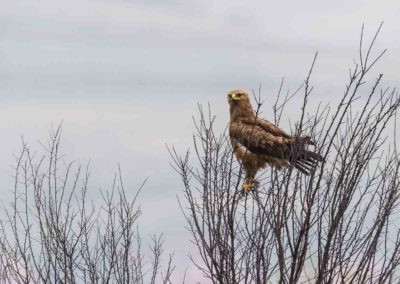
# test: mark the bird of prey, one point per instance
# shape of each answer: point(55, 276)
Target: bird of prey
point(257, 142)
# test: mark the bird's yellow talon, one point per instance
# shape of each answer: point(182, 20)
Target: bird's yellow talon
point(247, 187)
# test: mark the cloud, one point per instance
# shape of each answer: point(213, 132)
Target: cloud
point(102, 49)
point(222, 24)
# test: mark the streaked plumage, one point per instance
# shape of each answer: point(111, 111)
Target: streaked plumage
point(257, 142)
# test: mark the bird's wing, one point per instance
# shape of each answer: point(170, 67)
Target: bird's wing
point(271, 128)
point(256, 138)
point(266, 139)
point(275, 130)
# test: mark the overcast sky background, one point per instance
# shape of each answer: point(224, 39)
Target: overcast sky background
point(125, 77)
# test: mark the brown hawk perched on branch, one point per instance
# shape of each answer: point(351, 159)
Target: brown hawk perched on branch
point(257, 142)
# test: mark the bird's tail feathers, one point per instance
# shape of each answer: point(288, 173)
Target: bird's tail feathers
point(307, 161)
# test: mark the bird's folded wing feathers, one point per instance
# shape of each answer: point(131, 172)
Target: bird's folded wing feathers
point(268, 127)
point(255, 138)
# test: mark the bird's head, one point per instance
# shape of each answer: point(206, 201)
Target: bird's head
point(238, 97)
point(239, 103)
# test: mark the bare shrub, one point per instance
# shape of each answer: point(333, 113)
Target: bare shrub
point(51, 233)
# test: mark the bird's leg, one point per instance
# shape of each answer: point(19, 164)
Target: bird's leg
point(246, 187)
point(248, 184)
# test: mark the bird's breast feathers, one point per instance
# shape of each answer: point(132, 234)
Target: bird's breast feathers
point(239, 149)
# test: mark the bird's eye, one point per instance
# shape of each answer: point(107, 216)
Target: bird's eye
point(239, 95)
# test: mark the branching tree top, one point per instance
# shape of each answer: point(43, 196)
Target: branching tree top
point(336, 225)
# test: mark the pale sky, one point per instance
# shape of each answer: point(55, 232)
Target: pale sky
point(125, 78)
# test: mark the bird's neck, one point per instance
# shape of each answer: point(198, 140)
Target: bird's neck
point(241, 112)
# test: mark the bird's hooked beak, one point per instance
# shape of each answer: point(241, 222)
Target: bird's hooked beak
point(232, 97)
